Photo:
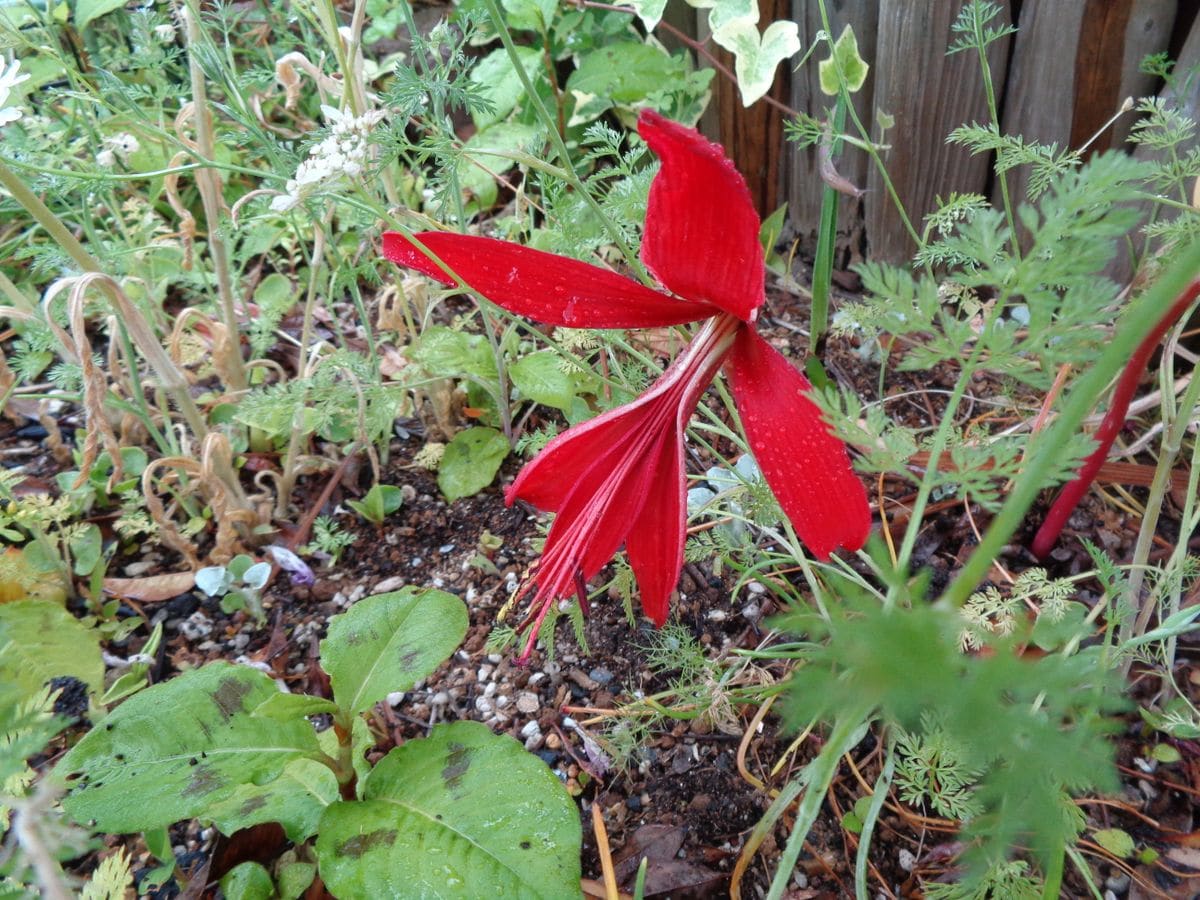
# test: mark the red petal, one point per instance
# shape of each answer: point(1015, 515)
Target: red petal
point(542, 286)
point(655, 546)
point(807, 467)
point(701, 239)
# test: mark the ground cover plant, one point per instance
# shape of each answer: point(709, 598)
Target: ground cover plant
point(292, 291)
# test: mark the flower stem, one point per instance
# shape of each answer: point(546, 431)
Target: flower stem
point(1111, 426)
point(1045, 450)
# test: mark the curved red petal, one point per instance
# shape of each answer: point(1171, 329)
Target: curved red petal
point(655, 545)
point(543, 286)
point(701, 239)
point(807, 467)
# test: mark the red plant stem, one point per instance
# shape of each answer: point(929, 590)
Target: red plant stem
point(1110, 427)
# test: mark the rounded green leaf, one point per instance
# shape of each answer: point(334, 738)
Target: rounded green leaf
point(176, 749)
point(462, 813)
point(471, 461)
point(541, 377)
point(40, 641)
point(388, 643)
point(247, 881)
point(1115, 841)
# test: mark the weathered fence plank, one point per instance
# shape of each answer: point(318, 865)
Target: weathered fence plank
point(803, 180)
point(928, 93)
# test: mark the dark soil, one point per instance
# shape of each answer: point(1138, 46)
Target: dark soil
point(679, 798)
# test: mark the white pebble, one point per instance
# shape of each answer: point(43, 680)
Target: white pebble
point(395, 698)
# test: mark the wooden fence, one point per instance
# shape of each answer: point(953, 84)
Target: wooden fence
point(1059, 79)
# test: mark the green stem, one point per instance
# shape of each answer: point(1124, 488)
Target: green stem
point(990, 92)
point(1172, 443)
point(878, 795)
point(826, 239)
point(1044, 451)
point(209, 186)
point(817, 775)
point(44, 217)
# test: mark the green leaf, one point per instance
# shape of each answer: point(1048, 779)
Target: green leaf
point(756, 57)
point(844, 57)
point(445, 353)
point(530, 15)
point(1116, 842)
point(388, 643)
point(247, 881)
point(296, 800)
point(381, 501)
point(471, 461)
point(294, 879)
point(1165, 753)
point(540, 377)
point(649, 11)
point(88, 10)
point(179, 748)
point(477, 168)
point(462, 813)
point(722, 12)
point(497, 74)
point(621, 73)
point(283, 707)
point(40, 641)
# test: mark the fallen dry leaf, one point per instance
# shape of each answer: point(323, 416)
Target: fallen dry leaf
point(151, 588)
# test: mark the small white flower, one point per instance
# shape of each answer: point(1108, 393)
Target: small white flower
point(165, 33)
point(123, 144)
point(341, 155)
point(106, 158)
point(10, 77)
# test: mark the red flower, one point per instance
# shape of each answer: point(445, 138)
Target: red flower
point(619, 478)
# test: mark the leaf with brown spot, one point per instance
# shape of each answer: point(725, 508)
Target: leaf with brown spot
point(388, 643)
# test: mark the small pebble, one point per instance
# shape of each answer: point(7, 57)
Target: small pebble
point(484, 705)
point(634, 803)
point(395, 698)
point(1117, 883)
point(755, 588)
point(196, 626)
point(906, 859)
point(390, 584)
point(600, 675)
point(530, 729)
point(528, 703)
point(549, 757)
point(441, 698)
point(136, 569)
point(446, 548)
point(553, 741)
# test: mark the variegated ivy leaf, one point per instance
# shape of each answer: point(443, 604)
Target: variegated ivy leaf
point(649, 11)
point(725, 12)
point(757, 55)
point(844, 57)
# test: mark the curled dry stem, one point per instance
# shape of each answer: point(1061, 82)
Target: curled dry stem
point(234, 519)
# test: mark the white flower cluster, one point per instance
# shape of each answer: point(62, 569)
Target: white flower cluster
point(343, 154)
point(10, 77)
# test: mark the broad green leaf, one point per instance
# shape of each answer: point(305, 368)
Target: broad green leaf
point(389, 642)
point(624, 72)
point(530, 15)
point(498, 75)
point(471, 461)
point(462, 813)
point(445, 353)
point(294, 878)
point(283, 707)
point(88, 10)
point(296, 800)
point(477, 168)
point(40, 641)
point(175, 750)
point(756, 57)
point(845, 57)
point(247, 881)
point(540, 377)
